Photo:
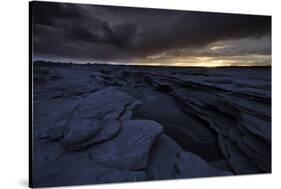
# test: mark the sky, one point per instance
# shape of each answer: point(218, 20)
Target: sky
point(79, 33)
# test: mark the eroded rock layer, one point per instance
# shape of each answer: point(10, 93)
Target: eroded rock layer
point(102, 124)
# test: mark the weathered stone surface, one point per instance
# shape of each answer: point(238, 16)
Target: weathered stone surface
point(84, 133)
point(101, 174)
point(129, 150)
point(80, 130)
point(257, 151)
point(108, 103)
point(190, 165)
point(46, 151)
point(62, 171)
point(103, 124)
point(168, 160)
point(162, 158)
point(240, 163)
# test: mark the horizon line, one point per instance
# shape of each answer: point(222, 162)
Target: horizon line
point(147, 65)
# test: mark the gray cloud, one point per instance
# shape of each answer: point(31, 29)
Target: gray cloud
point(120, 33)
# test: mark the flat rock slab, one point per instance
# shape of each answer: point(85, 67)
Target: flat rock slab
point(108, 103)
point(129, 150)
point(84, 133)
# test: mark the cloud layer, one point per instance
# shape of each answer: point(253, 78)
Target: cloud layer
point(89, 32)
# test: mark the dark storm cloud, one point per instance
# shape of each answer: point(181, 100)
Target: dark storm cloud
point(101, 32)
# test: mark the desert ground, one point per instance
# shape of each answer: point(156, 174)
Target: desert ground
point(111, 123)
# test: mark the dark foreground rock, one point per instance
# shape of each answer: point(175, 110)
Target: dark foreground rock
point(102, 124)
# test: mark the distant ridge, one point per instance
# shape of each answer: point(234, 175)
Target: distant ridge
point(51, 63)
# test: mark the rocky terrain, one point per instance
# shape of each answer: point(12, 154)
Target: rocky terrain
point(104, 123)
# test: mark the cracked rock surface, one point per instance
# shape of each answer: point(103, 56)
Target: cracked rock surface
point(102, 124)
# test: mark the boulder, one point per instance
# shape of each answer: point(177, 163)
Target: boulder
point(86, 132)
point(80, 130)
point(167, 160)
